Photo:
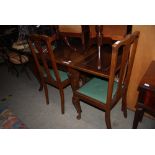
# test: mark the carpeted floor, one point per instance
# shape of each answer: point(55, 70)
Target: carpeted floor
point(29, 105)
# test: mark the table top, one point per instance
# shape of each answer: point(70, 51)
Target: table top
point(148, 80)
point(69, 57)
point(87, 61)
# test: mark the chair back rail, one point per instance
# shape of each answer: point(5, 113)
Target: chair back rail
point(41, 47)
point(129, 45)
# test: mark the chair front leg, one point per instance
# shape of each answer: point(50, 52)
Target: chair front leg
point(107, 119)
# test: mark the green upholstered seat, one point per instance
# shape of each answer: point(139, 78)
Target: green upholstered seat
point(97, 89)
point(63, 75)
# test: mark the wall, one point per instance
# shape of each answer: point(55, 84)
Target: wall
point(144, 55)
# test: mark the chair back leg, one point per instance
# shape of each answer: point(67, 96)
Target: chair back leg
point(46, 92)
point(107, 119)
point(124, 105)
point(62, 100)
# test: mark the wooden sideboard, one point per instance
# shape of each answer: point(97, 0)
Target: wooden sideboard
point(146, 97)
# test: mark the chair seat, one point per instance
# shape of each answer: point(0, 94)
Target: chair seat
point(97, 89)
point(63, 75)
point(17, 59)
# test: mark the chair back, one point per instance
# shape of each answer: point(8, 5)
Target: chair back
point(66, 32)
point(42, 51)
point(123, 53)
point(74, 29)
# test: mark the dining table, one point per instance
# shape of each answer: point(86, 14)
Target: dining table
point(79, 62)
point(69, 59)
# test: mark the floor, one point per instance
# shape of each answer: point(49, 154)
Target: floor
point(29, 104)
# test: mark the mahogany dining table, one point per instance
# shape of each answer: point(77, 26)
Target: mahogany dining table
point(94, 60)
point(77, 62)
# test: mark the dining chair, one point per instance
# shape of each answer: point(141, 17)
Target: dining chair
point(68, 33)
point(105, 93)
point(42, 51)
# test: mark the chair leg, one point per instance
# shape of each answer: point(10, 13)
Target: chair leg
point(76, 103)
point(12, 67)
point(46, 93)
point(28, 75)
point(24, 69)
point(107, 119)
point(36, 74)
point(17, 73)
point(124, 106)
point(138, 117)
point(41, 86)
point(62, 101)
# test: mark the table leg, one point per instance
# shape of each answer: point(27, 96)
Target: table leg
point(74, 78)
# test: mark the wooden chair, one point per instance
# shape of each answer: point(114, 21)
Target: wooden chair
point(41, 48)
point(104, 93)
point(68, 32)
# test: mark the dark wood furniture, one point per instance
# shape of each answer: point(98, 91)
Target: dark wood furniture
point(112, 78)
point(116, 61)
point(42, 50)
point(146, 98)
point(68, 33)
point(110, 32)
